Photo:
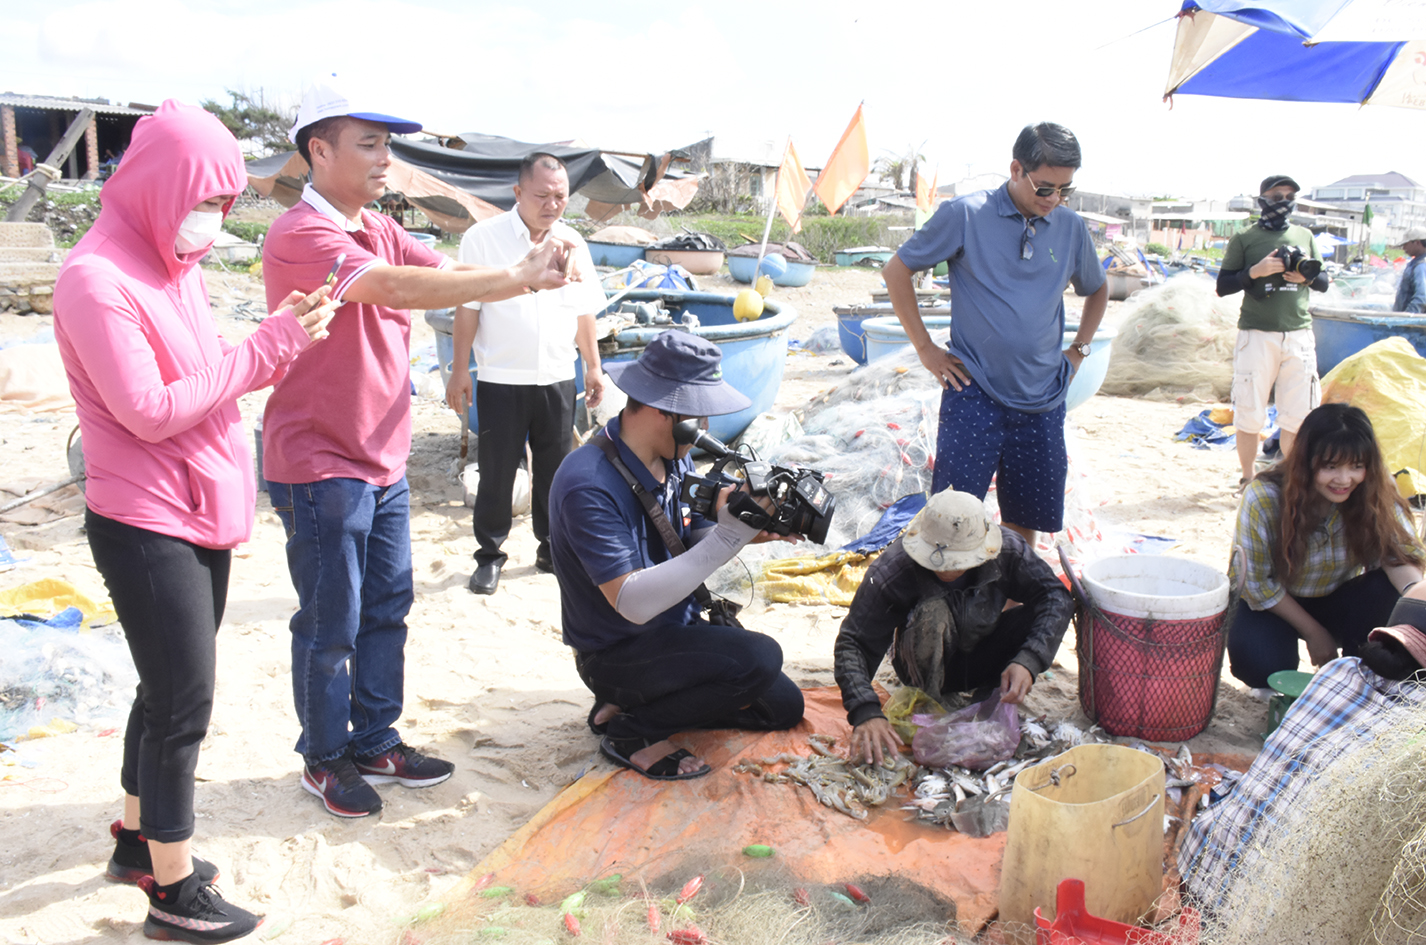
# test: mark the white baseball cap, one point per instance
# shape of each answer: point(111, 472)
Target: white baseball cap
point(1413, 235)
point(328, 98)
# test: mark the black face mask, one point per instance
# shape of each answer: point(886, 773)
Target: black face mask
point(1275, 212)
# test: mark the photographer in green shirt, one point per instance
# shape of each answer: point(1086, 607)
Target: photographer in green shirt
point(1273, 264)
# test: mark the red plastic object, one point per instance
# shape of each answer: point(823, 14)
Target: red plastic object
point(1074, 926)
point(1150, 679)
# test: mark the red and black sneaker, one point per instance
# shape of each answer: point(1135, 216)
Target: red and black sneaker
point(131, 858)
point(340, 786)
point(406, 766)
point(193, 911)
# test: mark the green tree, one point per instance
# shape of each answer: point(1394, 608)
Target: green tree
point(251, 118)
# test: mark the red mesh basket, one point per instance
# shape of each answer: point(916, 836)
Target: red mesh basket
point(1150, 679)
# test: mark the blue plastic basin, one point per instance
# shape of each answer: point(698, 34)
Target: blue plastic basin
point(1342, 332)
point(742, 268)
point(884, 335)
point(617, 255)
point(754, 353)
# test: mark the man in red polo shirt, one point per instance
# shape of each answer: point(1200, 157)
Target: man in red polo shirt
point(336, 434)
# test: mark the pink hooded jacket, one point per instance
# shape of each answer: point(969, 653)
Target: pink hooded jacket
point(155, 386)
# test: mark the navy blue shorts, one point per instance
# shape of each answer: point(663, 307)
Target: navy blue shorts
point(979, 438)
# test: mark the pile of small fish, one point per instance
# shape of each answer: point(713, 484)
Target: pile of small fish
point(833, 780)
point(976, 803)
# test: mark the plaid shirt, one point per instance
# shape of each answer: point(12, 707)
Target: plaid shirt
point(1328, 562)
point(1344, 707)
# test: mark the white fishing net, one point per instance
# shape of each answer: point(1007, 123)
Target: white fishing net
point(1175, 339)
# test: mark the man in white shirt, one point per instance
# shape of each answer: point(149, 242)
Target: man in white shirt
point(525, 360)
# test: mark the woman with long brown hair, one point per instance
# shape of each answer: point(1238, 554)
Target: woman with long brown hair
point(1328, 547)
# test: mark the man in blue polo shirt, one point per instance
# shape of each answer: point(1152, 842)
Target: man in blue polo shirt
point(629, 607)
point(1012, 252)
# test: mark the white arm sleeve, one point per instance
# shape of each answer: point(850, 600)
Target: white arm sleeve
point(649, 592)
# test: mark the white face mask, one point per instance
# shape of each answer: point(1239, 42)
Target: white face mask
point(198, 231)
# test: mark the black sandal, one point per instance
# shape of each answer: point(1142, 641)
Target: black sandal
point(665, 769)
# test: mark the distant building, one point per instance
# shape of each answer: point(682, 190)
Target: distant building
point(739, 169)
point(1398, 202)
point(40, 122)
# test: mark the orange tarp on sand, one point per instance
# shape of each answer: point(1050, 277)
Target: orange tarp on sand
point(623, 823)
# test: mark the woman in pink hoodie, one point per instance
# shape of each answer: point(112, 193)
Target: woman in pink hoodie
point(170, 483)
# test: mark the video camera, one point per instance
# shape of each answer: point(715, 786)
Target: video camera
point(1295, 260)
point(801, 504)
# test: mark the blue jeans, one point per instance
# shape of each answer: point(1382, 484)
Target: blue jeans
point(349, 552)
point(674, 678)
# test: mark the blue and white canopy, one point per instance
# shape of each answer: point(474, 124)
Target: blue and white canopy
point(1302, 51)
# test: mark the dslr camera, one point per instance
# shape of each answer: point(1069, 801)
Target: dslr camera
point(801, 504)
point(1295, 260)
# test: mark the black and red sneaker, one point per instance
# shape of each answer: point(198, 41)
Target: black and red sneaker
point(406, 766)
point(340, 786)
point(131, 858)
point(193, 911)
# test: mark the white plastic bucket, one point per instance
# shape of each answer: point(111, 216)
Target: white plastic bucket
point(1158, 587)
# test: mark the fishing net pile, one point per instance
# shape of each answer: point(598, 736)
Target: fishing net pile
point(1344, 859)
point(761, 905)
point(1175, 340)
point(874, 437)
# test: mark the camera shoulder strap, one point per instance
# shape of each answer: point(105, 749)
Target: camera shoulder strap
point(656, 514)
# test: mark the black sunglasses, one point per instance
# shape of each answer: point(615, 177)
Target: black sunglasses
point(1027, 248)
point(1044, 190)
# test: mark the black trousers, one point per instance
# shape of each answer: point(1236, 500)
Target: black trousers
point(510, 414)
point(169, 595)
point(674, 678)
point(982, 666)
point(1260, 642)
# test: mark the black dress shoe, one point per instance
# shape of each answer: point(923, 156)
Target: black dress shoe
point(544, 564)
point(485, 579)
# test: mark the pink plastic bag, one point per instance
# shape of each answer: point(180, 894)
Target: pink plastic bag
point(975, 737)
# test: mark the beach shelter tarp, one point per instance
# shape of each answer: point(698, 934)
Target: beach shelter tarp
point(454, 210)
point(1361, 51)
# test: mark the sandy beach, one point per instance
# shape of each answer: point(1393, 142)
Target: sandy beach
point(488, 683)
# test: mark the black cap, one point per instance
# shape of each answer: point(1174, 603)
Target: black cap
point(1276, 180)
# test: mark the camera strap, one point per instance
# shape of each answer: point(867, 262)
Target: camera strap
point(656, 514)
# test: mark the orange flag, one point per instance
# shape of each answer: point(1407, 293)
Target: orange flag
point(792, 187)
point(847, 167)
point(923, 191)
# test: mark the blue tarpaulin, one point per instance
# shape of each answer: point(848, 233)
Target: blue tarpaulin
point(1351, 51)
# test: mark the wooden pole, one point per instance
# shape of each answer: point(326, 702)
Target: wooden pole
point(10, 159)
point(38, 182)
point(772, 209)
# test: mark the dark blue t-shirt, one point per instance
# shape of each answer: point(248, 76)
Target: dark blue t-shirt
point(1008, 313)
point(599, 530)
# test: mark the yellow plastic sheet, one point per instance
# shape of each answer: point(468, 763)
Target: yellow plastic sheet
point(48, 596)
point(831, 578)
point(1388, 381)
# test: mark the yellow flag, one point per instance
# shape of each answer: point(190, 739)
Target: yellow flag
point(847, 167)
point(792, 187)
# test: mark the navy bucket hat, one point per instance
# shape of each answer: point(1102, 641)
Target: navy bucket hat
point(679, 373)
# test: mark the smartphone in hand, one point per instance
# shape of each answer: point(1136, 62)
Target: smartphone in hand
point(336, 268)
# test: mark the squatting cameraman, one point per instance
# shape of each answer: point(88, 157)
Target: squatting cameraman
point(630, 606)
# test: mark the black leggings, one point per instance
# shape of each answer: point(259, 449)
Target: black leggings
point(169, 595)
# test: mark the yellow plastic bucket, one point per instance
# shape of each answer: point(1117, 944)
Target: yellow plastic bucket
point(1094, 813)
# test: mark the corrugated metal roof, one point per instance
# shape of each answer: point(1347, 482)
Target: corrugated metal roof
point(1389, 179)
point(68, 104)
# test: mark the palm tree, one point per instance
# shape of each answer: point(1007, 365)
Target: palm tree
point(899, 170)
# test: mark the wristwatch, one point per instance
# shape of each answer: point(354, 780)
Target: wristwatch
point(1082, 347)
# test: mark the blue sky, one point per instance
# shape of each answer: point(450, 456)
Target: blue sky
point(956, 79)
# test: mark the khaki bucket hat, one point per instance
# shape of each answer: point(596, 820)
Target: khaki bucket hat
point(952, 533)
